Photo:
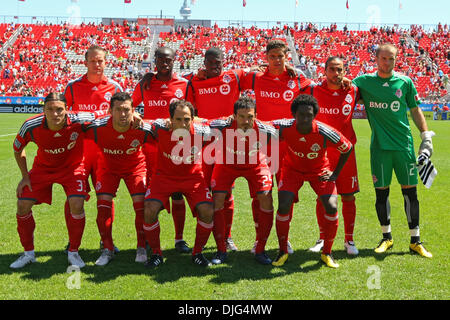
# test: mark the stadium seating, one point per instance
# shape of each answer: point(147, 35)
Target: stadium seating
point(46, 57)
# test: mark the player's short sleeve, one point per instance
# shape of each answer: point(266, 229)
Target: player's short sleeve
point(337, 139)
point(23, 137)
point(138, 95)
point(68, 94)
point(247, 80)
point(412, 97)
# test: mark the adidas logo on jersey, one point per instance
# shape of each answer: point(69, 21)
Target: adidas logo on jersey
point(386, 84)
point(121, 137)
point(335, 94)
point(94, 88)
point(57, 135)
point(302, 139)
point(164, 86)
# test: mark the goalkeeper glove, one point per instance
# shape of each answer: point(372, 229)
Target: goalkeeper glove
point(427, 145)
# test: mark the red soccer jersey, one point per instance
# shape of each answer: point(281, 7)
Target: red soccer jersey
point(121, 151)
point(83, 95)
point(274, 94)
point(336, 108)
point(306, 153)
point(161, 93)
point(57, 150)
point(215, 97)
point(179, 157)
point(238, 150)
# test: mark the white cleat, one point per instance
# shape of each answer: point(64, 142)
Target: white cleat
point(351, 248)
point(106, 256)
point(289, 248)
point(75, 260)
point(141, 255)
point(318, 246)
point(23, 260)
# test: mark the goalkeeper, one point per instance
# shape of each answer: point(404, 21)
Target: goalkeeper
point(387, 96)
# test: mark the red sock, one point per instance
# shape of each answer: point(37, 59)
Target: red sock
point(265, 225)
point(178, 216)
point(25, 228)
point(282, 226)
point(152, 232)
point(202, 233)
point(320, 212)
point(255, 211)
point(139, 223)
point(331, 223)
point(228, 214)
point(76, 229)
point(104, 223)
point(219, 230)
point(67, 212)
point(349, 214)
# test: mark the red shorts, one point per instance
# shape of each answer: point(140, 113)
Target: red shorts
point(259, 178)
point(151, 155)
point(73, 182)
point(193, 187)
point(291, 181)
point(347, 181)
point(91, 154)
point(108, 183)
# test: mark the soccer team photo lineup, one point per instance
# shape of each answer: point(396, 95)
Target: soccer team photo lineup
point(178, 124)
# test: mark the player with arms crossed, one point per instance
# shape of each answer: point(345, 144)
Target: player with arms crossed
point(89, 93)
point(336, 107)
point(387, 96)
point(58, 135)
point(121, 157)
point(306, 159)
point(179, 172)
point(163, 89)
point(240, 155)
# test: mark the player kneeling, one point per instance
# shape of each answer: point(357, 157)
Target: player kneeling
point(178, 172)
point(58, 135)
point(306, 160)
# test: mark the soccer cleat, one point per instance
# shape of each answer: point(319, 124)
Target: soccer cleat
point(420, 249)
point(23, 260)
point(281, 259)
point(263, 258)
point(141, 255)
point(199, 259)
point(182, 247)
point(318, 246)
point(75, 260)
point(384, 245)
point(230, 245)
point(289, 248)
point(219, 258)
point(154, 261)
point(116, 250)
point(105, 258)
point(329, 261)
point(351, 248)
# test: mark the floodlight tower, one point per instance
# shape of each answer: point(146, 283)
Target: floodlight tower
point(185, 11)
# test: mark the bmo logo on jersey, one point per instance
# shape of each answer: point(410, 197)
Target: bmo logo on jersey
point(346, 110)
point(395, 106)
point(157, 103)
point(288, 95)
point(225, 89)
point(93, 106)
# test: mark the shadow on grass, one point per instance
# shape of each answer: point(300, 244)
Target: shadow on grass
point(240, 265)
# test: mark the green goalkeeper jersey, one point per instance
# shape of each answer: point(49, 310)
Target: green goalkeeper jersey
point(387, 101)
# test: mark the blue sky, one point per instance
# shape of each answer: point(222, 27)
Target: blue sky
point(361, 11)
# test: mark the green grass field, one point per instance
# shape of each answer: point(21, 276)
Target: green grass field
point(395, 275)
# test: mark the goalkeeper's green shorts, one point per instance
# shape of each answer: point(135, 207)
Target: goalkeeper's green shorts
point(383, 162)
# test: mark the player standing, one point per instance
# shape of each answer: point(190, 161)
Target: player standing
point(59, 137)
point(121, 157)
point(165, 88)
point(240, 155)
point(336, 107)
point(307, 142)
point(387, 96)
point(89, 93)
point(179, 172)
